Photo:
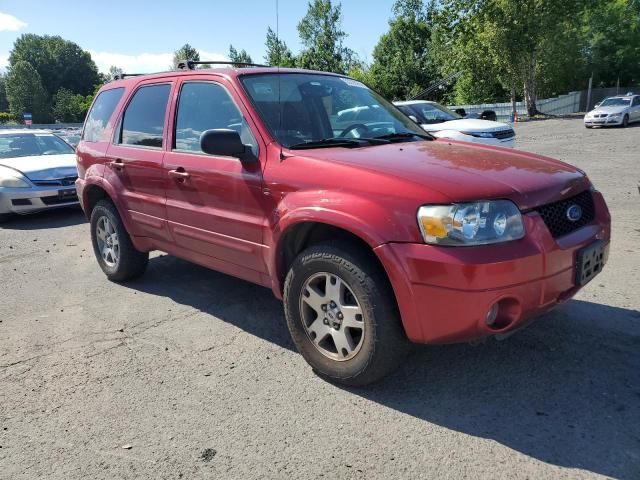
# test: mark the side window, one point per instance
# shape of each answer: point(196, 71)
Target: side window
point(143, 120)
point(636, 101)
point(100, 114)
point(205, 106)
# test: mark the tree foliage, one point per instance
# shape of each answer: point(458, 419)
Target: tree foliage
point(402, 65)
point(277, 52)
point(59, 63)
point(322, 38)
point(69, 107)
point(4, 103)
point(185, 52)
point(26, 94)
point(238, 57)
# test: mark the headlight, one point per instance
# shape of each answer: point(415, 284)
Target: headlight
point(476, 223)
point(10, 178)
point(479, 134)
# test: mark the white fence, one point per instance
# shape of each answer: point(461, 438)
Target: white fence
point(562, 105)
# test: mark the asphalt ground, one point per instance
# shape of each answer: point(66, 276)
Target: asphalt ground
point(188, 373)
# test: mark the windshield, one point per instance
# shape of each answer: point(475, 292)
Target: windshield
point(318, 107)
point(434, 113)
point(615, 102)
point(28, 144)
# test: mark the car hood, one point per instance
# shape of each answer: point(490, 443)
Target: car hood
point(44, 167)
point(467, 125)
point(610, 110)
point(463, 172)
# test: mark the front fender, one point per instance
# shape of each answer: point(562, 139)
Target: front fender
point(94, 181)
point(375, 222)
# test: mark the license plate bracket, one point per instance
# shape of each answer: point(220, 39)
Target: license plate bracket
point(589, 261)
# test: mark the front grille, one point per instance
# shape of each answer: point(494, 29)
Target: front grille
point(555, 214)
point(58, 182)
point(59, 200)
point(502, 134)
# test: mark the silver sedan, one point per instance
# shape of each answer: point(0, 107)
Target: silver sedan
point(619, 111)
point(37, 172)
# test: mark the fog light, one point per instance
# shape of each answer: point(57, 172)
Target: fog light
point(492, 314)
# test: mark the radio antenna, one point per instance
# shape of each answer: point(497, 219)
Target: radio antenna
point(279, 50)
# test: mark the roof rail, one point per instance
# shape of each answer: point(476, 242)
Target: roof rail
point(191, 64)
point(121, 76)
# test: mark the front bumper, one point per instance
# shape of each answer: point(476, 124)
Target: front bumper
point(603, 122)
point(30, 200)
point(445, 293)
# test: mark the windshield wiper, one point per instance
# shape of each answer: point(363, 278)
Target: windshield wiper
point(403, 136)
point(338, 142)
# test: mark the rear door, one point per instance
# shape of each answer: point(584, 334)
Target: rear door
point(215, 204)
point(134, 159)
point(635, 109)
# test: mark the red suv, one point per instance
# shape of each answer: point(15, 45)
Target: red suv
point(373, 234)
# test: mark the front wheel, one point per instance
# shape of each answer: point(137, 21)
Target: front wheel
point(625, 121)
point(112, 245)
point(5, 217)
point(342, 315)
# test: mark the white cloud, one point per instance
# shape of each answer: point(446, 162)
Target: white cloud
point(143, 62)
point(9, 23)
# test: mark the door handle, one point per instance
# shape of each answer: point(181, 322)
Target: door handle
point(117, 164)
point(179, 174)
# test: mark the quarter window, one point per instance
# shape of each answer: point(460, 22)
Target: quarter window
point(143, 120)
point(100, 114)
point(205, 106)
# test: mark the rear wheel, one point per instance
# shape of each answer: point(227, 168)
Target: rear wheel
point(112, 245)
point(342, 315)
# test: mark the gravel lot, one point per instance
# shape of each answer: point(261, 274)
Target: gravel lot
point(188, 373)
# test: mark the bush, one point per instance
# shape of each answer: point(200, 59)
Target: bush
point(7, 117)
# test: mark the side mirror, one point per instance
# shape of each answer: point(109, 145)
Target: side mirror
point(596, 105)
point(226, 143)
point(414, 118)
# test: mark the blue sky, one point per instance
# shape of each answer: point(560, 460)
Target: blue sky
point(140, 35)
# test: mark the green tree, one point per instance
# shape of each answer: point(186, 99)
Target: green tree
point(278, 54)
point(59, 63)
point(322, 38)
point(4, 103)
point(69, 107)
point(611, 31)
point(26, 93)
point(113, 73)
point(401, 62)
point(185, 52)
point(238, 57)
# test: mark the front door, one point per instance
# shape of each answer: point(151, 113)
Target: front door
point(134, 159)
point(215, 204)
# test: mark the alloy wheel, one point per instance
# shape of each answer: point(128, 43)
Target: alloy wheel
point(332, 316)
point(108, 243)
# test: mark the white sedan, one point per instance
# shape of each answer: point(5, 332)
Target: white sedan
point(37, 172)
point(620, 110)
point(441, 122)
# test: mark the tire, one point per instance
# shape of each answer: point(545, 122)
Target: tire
point(375, 342)
point(5, 217)
point(625, 121)
point(121, 261)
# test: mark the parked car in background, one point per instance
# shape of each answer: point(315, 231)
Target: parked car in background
point(620, 110)
point(372, 232)
point(71, 136)
point(441, 122)
point(37, 172)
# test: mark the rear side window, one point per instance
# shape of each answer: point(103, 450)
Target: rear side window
point(100, 114)
point(205, 106)
point(636, 101)
point(143, 120)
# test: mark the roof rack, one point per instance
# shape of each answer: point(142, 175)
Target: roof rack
point(191, 64)
point(121, 76)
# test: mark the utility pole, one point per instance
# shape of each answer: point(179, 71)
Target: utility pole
point(589, 93)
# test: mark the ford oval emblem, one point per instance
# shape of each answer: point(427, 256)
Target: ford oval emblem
point(574, 213)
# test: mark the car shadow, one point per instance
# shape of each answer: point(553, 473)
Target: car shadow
point(217, 294)
point(565, 390)
point(58, 218)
